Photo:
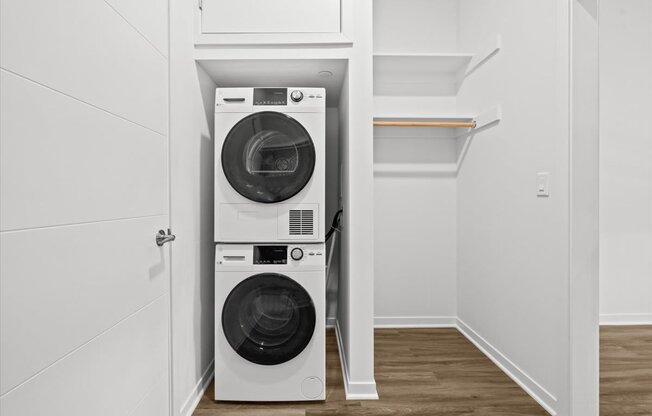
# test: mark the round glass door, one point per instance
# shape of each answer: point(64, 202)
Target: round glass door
point(268, 319)
point(268, 157)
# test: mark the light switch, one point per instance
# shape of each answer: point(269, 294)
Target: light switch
point(543, 184)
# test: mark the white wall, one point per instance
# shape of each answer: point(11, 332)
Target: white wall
point(415, 246)
point(343, 292)
point(415, 231)
point(626, 161)
point(84, 188)
point(584, 236)
point(415, 26)
point(355, 305)
point(513, 247)
point(192, 98)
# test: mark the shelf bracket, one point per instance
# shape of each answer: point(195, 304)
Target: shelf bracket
point(491, 116)
point(483, 121)
point(483, 55)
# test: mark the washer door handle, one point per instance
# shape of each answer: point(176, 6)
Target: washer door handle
point(162, 237)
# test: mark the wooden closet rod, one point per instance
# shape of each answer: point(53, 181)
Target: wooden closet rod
point(470, 124)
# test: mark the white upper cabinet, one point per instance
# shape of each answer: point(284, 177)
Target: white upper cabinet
point(267, 16)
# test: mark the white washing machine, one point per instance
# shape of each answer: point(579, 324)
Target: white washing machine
point(270, 178)
point(270, 322)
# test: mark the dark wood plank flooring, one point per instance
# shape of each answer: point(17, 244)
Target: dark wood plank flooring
point(626, 370)
point(438, 372)
point(433, 372)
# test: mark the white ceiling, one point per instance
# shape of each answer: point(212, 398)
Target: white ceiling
point(279, 73)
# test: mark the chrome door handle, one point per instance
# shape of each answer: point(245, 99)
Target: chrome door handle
point(162, 237)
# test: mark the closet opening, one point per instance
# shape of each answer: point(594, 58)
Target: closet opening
point(468, 116)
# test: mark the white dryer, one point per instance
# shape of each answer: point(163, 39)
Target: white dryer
point(270, 164)
point(270, 322)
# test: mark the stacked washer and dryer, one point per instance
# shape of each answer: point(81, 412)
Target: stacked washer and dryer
point(270, 253)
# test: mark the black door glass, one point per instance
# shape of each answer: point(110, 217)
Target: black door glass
point(268, 157)
point(268, 319)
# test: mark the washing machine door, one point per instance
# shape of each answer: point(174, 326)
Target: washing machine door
point(268, 319)
point(268, 157)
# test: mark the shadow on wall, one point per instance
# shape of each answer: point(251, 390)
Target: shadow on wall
point(205, 293)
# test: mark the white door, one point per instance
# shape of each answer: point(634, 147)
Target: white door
point(266, 16)
point(84, 188)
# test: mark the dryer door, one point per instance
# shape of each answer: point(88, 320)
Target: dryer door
point(268, 319)
point(268, 157)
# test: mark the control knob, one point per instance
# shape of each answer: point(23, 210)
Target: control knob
point(296, 96)
point(296, 254)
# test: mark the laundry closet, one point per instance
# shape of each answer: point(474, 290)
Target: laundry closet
point(328, 59)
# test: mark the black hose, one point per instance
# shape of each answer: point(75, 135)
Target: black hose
point(335, 226)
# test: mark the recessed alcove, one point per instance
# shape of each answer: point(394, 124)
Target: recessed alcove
point(318, 73)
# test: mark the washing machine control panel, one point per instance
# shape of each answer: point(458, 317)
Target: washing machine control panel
point(270, 256)
point(311, 254)
point(283, 254)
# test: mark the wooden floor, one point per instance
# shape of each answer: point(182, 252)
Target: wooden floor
point(432, 372)
point(626, 370)
point(437, 372)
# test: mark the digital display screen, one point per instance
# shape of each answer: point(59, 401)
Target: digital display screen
point(270, 254)
point(270, 96)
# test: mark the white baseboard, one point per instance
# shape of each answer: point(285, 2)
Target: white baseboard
point(531, 387)
point(626, 319)
point(415, 322)
point(353, 390)
point(198, 391)
point(330, 322)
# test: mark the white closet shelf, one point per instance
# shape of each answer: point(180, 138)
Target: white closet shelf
point(416, 168)
point(427, 74)
point(438, 62)
point(423, 117)
point(419, 73)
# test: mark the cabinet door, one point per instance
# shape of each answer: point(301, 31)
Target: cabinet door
point(266, 16)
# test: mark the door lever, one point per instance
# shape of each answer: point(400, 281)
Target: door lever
point(162, 237)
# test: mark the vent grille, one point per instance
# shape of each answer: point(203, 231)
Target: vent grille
point(301, 222)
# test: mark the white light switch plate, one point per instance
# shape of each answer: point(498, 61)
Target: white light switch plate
point(543, 184)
